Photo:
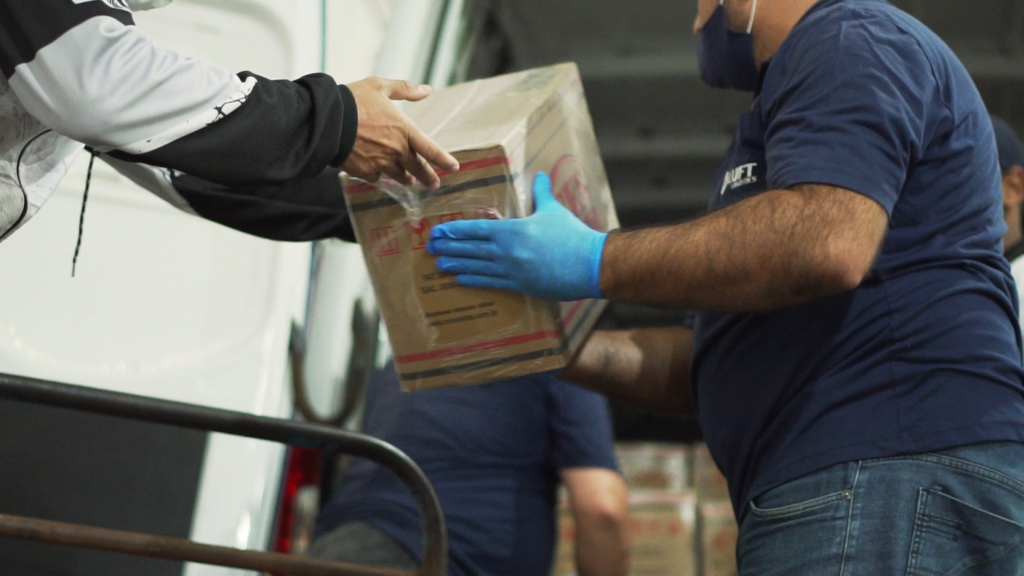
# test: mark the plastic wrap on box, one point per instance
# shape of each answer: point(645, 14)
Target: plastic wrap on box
point(502, 130)
point(654, 466)
point(708, 480)
point(718, 535)
point(663, 534)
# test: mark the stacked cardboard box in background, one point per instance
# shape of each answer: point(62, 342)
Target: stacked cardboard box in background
point(718, 533)
point(717, 524)
point(707, 479)
point(650, 466)
point(663, 534)
point(565, 550)
point(681, 519)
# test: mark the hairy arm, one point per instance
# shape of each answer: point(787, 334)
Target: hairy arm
point(646, 367)
point(777, 249)
point(597, 498)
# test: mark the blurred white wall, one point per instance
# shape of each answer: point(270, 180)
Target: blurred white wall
point(356, 30)
point(272, 38)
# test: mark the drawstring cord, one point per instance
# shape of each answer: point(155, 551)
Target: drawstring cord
point(81, 217)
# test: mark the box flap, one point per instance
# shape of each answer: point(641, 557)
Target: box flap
point(488, 112)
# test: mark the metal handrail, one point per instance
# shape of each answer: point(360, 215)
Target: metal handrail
point(177, 549)
point(294, 433)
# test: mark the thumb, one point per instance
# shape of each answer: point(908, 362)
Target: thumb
point(543, 199)
point(402, 90)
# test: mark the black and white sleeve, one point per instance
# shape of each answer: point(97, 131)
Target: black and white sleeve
point(83, 69)
point(299, 211)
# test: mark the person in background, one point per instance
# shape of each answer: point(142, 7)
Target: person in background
point(495, 454)
point(1011, 162)
point(255, 154)
point(856, 359)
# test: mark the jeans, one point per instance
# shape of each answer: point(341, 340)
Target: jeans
point(951, 513)
point(361, 543)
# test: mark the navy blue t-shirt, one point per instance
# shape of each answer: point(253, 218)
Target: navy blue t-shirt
point(493, 453)
point(925, 354)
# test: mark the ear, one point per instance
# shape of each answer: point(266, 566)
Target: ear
point(1013, 186)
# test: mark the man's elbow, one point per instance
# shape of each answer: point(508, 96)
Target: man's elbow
point(840, 237)
point(844, 267)
point(845, 274)
point(608, 514)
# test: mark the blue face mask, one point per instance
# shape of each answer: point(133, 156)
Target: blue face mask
point(726, 57)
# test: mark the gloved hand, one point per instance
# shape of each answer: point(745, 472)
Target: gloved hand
point(551, 254)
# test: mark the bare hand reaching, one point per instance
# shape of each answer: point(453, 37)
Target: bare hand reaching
point(387, 142)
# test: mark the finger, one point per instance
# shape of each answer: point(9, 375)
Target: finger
point(424, 146)
point(476, 249)
point(467, 229)
point(474, 281)
point(543, 199)
point(419, 168)
point(400, 175)
point(402, 90)
point(460, 266)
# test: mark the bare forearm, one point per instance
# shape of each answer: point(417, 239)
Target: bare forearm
point(598, 498)
point(645, 367)
point(778, 249)
point(602, 549)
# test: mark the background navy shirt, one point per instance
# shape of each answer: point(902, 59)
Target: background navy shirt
point(492, 452)
point(925, 354)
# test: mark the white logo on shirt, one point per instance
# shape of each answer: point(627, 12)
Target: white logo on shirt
point(739, 176)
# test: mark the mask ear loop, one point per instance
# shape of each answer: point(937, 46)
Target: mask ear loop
point(753, 10)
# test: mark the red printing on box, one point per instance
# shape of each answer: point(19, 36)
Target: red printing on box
point(492, 344)
point(467, 167)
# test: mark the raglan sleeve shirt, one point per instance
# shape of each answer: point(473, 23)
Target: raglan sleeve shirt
point(300, 211)
point(218, 144)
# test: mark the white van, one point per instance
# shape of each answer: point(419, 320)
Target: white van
point(175, 307)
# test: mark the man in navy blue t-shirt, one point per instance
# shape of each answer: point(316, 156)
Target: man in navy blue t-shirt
point(856, 361)
point(495, 454)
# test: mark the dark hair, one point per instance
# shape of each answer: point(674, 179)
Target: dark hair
point(1010, 153)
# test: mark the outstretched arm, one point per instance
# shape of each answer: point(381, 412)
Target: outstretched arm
point(300, 211)
point(780, 248)
point(86, 71)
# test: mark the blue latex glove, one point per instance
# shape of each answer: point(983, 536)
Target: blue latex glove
point(551, 254)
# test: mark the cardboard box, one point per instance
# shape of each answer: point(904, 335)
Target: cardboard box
point(708, 480)
point(654, 466)
point(503, 130)
point(663, 531)
point(718, 535)
point(565, 549)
